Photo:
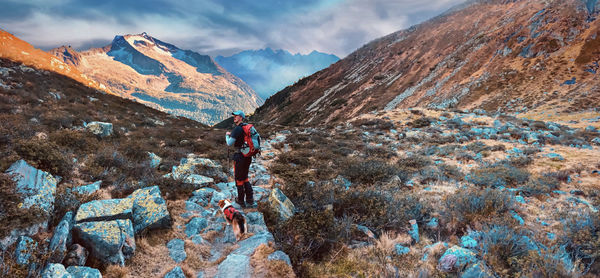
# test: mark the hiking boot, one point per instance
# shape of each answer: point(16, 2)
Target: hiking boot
point(241, 204)
point(252, 204)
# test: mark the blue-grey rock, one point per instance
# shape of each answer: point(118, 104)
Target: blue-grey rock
point(198, 239)
point(111, 242)
point(590, 128)
point(35, 186)
point(517, 217)
point(250, 244)
point(280, 255)
point(217, 196)
point(87, 189)
point(200, 274)
point(100, 129)
point(282, 205)
point(176, 272)
point(195, 226)
point(234, 266)
point(202, 196)
point(177, 250)
point(155, 160)
point(218, 227)
point(366, 231)
point(26, 247)
point(555, 157)
point(61, 238)
point(432, 223)
point(477, 270)
point(149, 209)
point(84, 272)
point(457, 258)
point(255, 218)
point(401, 250)
point(341, 181)
point(414, 230)
point(228, 235)
point(55, 271)
point(468, 242)
point(104, 210)
point(197, 171)
point(596, 140)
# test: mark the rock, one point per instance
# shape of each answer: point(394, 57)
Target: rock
point(36, 186)
point(281, 204)
point(228, 235)
point(84, 272)
point(250, 244)
point(366, 231)
point(55, 271)
point(77, 256)
point(217, 196)
point(234, 266)
point(596, 140)
point(149, 210)
point(111, 242)
point(104, 210)
point(197, 239)
point(26, 247)
point(202, 196)
point(177, 250)
point(414, 230)
point(61, 238)
point(401, 250)
point(517, 217)
point(590, 128)
point(280, 255)
point(555, 157)
point(341, 181)
point(432, 223)
point(456, 258)
point(155, 160)
point(430, 247)
point(468, 242)
point(477, 270)
point(87, 189)
point(176, 272)
point(201, 171)
point(100, 129)
point(195, 226)
point(255, 218)
point(200, 274)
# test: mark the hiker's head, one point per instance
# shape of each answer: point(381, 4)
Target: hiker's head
point(238, 116)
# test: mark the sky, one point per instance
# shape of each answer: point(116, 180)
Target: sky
point(217, 27)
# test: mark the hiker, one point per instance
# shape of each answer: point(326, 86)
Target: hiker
point(242, 158)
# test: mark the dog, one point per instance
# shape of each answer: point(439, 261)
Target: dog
point(234, 218)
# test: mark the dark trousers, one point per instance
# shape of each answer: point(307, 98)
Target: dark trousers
point(241, 165)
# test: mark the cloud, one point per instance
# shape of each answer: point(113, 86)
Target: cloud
point(215, 26)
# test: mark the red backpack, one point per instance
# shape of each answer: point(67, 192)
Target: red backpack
point(251, 144)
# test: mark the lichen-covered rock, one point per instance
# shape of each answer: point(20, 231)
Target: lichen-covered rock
point(228, 235)
point(155, 160)
point(217, 196)
point(26, 247)
point(280, 255)
point(149, 209)
point(197, 170)
point(84, 272)
point(401, 250)
point(477, 270)
point(176, 272)
point(234, 266)
point(76, 256)
point(104, 210)
point(249, 245)
point(55, 271)
point(468, 242)
point(461, 257)
point(111, 242)
point(255, 218)
point(281, 204)
point(61, 238)
point(88, 189)
point(100, 128)
point(36, 186)
point(195, 226)
point(202, 196)
point(177, 250)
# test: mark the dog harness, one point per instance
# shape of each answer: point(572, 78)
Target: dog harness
point(228, 210)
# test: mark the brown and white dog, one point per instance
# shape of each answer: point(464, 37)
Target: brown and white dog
point(234, 218)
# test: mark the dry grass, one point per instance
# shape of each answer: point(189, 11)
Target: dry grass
point(265, 268)
point(115, 271)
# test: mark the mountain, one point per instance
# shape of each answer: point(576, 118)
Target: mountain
point(17, 50)
point(267, 71)
point(162, 76)
point(531, 57)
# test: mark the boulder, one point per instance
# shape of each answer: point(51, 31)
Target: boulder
point(414, 230)
point(61, 238)
point(26, 247)
point(234, 266)
point(149, 209)
point(177, 250)
point(401, 250)
point(477, 270)
point(100, 129)
point(195, 226)
point(87, 189)
point(468, 242)
point(111, 242)
point(255, 218)
point(281, 204)
point(228, 235)
point(202, 170)
point(76, 256)
point(198, 239)
point(104, 210)
point(176, 272)
point(84, 272)
point(155, 160)
point(217, 196)
point(456, 258)
point(202, 196)
point(55, 271)
point(280, 255)
point(366, 231)
point(249, 245)
point(36, 186)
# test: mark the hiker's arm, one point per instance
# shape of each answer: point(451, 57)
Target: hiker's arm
point(229, 140)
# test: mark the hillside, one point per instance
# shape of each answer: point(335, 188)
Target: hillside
point(532, 57)
point(162, 76)
point(268, 71)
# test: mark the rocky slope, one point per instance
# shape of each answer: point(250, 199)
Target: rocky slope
point(512, 56)
point(162, 76)
point(268, 71)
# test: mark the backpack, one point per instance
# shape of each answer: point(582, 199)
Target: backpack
point(251, 144)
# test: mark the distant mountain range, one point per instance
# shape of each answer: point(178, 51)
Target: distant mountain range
point(162, 76)
point(267, 71)
point(511, 56)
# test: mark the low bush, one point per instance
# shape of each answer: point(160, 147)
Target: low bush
point(413, 163)
point(420, 122)
point(78, 141)
point(368, 171)
point(540, 185)
point(45, 155)
point(498, 175)
point(504, 248)
point(582, 239)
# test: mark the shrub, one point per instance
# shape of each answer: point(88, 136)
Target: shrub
point(45, 155)
point(12, 216)
point(413, 163)
point(541, 185)
point(78, 141)
point(475, 205)
point(368, 171)
point(504, 248)
point(582, 238)
point(498, 175)
point(420, 122)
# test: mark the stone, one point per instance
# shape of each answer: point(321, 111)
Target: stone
point(202, 171)
point(149, 210)
point(456, 258)
point(177, 250)
point(234, 266)
point(517, 217)
point(61, 238)
point(155, 160)
point(590, 128)
point(100, 129)
point(555, 157)
point(255, 218)
point(202, 196)
point(366, 231)
point(76, 256)
point(111, 242)
point(36, 186)
point(104, 210)
point(249, 245)
point(477, 270)
point(55, 271)
point(176, 272)
point(401, 250)
point(84, 272)
point(468, 242)
point(280, 255)
point(414, 230)
point(217, 196)
point(341, 181)
point(198, 239)
point(195, 226)
point(596, 140)
point(228, 235)
point(87, 189)
point(281, 204)
point(432, 223)
point(26, 247)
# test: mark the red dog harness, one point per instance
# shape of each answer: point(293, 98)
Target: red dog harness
point(229, 211)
